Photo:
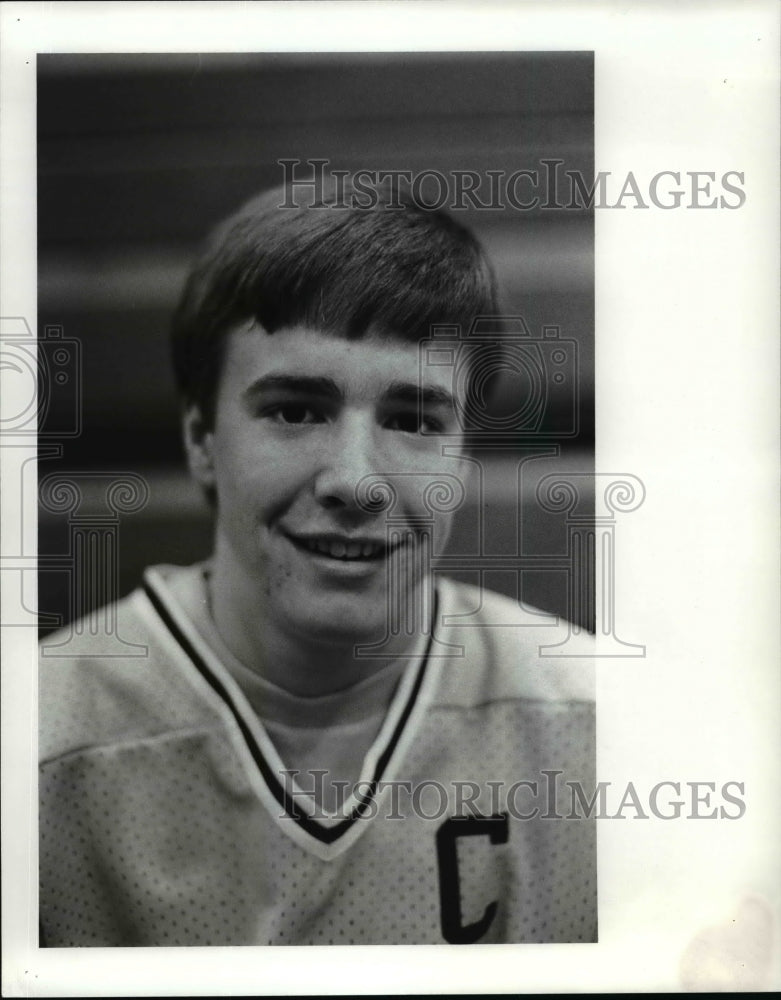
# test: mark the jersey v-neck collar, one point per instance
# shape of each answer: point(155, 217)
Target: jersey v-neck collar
point(362, 701)
point(292, 808)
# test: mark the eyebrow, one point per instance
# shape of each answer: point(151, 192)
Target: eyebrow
point(320, 385)
point(410, 392)
point(310, 385)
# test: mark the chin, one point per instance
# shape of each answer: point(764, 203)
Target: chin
point(342, 629)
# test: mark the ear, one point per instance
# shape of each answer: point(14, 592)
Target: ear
point(199, 445)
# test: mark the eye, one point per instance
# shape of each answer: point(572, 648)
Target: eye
point(411, 422)
point(294, 413)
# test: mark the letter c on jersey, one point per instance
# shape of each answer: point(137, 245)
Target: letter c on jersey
point(496, 829)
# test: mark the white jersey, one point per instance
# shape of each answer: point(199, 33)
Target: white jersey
point(168, 818)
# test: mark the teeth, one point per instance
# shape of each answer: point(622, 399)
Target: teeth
point(344, 550)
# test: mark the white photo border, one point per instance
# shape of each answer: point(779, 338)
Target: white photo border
point(687, 319)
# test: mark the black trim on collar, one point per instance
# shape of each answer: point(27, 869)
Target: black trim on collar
point(325, 834)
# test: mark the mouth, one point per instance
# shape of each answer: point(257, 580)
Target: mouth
point(361, 550)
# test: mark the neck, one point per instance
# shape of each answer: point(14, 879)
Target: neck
point(301, 664)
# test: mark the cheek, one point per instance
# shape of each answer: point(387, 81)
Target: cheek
point(443, 527)
point(254, 482)
point(432, 486)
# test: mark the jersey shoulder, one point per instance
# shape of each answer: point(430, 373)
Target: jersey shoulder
point(112, 678)
point(500, 649)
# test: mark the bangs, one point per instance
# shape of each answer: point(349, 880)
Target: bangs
point(348, 271)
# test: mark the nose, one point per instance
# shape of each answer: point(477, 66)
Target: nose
point(350, 454)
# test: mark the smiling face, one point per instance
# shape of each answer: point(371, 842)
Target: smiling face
point(302, 417)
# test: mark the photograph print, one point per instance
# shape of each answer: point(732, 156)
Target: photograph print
point(317, 536)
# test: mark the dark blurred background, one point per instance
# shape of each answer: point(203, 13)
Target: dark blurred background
point(140, 155)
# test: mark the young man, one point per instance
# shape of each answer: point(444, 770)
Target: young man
point(313, 750)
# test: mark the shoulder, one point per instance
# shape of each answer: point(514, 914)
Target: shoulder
point(500, 649)
point(111, 677)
